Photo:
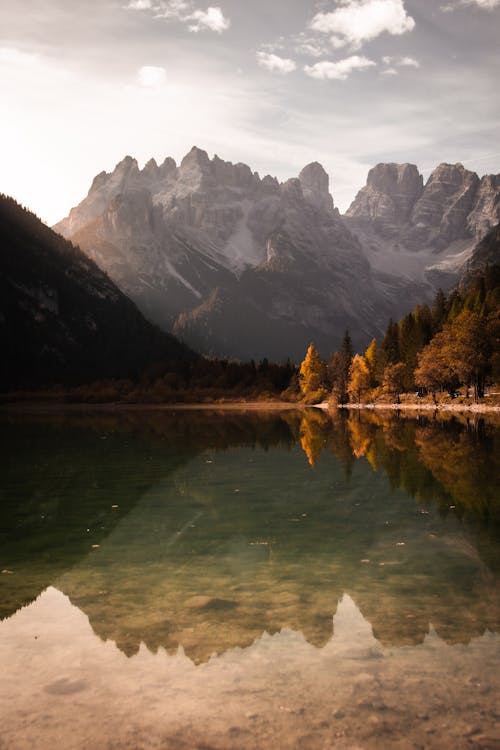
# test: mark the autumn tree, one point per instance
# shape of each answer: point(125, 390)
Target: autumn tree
point(470, 350)
point(394, 379)
point(359, 378)
point(436, 370)
point(375, 360)
point(312, 376)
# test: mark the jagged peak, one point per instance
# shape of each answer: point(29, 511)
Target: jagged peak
point(315, 183)
point(150, 165)
point(452, 170)
point(384, 174)
point(128, 162)
point(196, 156)
point(313, 167)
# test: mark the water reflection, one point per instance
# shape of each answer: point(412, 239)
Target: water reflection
point(206, 530)
point(279, 690)
point(225, 580)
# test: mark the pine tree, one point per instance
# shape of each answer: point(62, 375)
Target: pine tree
point(338, 370)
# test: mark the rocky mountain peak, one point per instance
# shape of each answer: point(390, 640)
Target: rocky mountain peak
point(388, 197)
point(315, 186)
point(439, 217)
point(126, 165)
point(196, 158)
point(396, 179)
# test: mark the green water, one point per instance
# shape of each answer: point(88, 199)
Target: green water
point(204, 580)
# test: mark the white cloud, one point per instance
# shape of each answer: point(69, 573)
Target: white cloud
point(486, 4)
point(389, 72)
point(275, 63)
point(14, 56)
point(311, 46)
point(404, 62)
point(358, 21)
point(151, 77)
point(171, 9)
point(340, 70)
point(183, 10)
point(138, 5)
point(409, 62)
point(213, 18)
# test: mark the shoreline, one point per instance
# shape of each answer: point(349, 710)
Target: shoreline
point(116, 407)
point(454, 408)
point(40, 406)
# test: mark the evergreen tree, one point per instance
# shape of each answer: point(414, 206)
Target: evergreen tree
point(338, 370)
point(439, 311)
point(390, 343)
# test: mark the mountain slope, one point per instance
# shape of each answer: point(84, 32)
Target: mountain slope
point(244, 266)
point(237, 264)
point(486, 253)
point(61, 318)
point(426, 231)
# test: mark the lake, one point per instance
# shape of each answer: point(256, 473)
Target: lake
point(184, 579)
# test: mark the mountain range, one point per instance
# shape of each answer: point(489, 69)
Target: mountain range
point(243, 266)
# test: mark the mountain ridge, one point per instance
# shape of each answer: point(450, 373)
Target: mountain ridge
point(280, 255)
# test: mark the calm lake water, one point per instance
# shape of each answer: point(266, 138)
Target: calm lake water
point(183, 580)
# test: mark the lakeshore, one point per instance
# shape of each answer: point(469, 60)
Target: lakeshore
point(268, 405)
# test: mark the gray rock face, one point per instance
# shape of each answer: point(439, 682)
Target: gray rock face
point(315, 186)
point(387, 199)
point(240, 265)
point(440, 215)
point(486, 210)
point(235, 264)
point(485, 253)
point(453, 205)
point(425, 232)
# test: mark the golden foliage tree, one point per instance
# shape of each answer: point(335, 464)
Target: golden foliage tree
point(312, 375)
point(359, 378)
point(313, 430)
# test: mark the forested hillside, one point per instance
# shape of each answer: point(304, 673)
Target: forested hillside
point(62, 320)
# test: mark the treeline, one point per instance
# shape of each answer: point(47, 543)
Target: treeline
point(451, 344)
point(186, 381)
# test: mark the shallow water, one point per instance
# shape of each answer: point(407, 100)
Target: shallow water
point(199, 580)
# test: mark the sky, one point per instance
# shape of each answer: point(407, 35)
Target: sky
point(275, 84)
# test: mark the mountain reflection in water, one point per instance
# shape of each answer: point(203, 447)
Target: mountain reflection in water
point(206, 580)
point(224, 528)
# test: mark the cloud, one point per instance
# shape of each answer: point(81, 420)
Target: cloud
point(138, 5)
point(340, 70)
point(403, 62)
point(171, 9)
point(213, 18)
point(311, 46)
point(358, 21)
point(274, 63)
point(14, 56)
point(151, 77)
point(486, 4)
point(389, 72)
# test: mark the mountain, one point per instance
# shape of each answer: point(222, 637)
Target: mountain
point(62, 319)
point(244, 266)
point(485, 253)
point(426, 231)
